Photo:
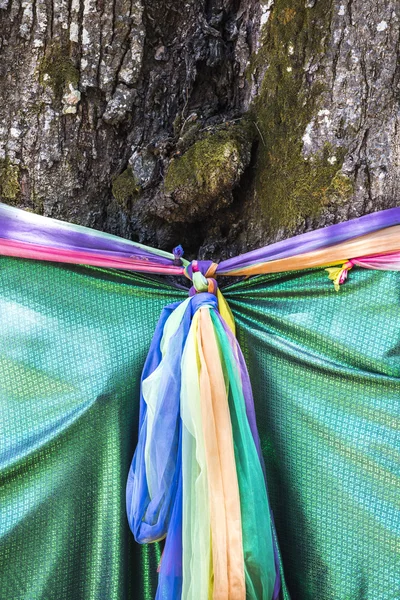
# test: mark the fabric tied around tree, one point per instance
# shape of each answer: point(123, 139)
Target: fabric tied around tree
point(197, 477)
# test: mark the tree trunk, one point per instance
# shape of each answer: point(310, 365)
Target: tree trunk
point(222, 125)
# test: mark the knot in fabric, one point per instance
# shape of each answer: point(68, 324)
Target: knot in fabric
point(348, 265)
point(201, 272)
point(339, 274)
point(201, 300)
point(178, 253)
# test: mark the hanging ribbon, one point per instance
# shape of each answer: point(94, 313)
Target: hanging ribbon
point(197, 474)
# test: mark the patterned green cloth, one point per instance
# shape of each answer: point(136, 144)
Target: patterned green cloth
point(325, 371)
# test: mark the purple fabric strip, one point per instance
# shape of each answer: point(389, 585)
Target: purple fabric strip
point(246, 386)
point(22, 226)
point(313, 240)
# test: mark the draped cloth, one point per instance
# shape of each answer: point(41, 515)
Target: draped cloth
point(324, 370)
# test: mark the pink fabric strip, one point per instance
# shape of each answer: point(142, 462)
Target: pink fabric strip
point(38, 252)
point(384, 262)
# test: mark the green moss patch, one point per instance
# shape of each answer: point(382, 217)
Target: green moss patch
point(9, 181)
point(204, 176)
point(125, 187)
point(57, 70)
point(290, 186)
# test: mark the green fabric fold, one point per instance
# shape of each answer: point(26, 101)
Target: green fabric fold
point(325, 371)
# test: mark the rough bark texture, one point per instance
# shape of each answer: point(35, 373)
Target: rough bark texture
point(219, 124)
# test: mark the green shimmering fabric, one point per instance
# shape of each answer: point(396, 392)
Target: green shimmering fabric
point(72, 345)
point(325, 371)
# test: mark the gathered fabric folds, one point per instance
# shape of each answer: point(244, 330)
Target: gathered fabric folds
point(197, 473)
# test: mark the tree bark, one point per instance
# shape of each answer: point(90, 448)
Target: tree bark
point(222, 125)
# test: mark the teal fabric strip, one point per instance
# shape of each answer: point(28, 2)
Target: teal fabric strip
point(256, 526)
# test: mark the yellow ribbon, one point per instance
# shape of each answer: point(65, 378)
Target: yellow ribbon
point(339, 274)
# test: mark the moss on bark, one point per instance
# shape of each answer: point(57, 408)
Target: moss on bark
point(125, 187)
point(291, 186)
point(9, 181)
point(57, 70)
point(203, 178)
